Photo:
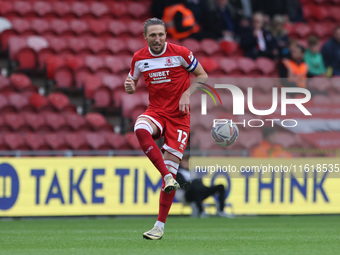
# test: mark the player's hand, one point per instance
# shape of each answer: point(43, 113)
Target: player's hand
point(184, 103)
point(129, 86)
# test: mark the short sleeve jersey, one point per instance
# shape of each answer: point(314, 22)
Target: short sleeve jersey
point(166, 76)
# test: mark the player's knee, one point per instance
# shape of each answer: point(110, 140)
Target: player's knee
point(143, 124)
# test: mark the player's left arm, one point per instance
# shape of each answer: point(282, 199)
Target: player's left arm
point(201, 77)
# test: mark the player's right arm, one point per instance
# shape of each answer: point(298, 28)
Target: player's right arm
point(131, 80)
point(130, 85)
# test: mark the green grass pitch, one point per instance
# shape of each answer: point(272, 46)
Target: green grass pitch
point(241, 235)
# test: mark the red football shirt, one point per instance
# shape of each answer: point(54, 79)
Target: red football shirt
point(166, 75)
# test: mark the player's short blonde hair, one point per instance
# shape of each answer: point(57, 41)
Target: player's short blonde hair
point(153, 21)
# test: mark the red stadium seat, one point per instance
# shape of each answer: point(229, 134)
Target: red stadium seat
point(209, 64)
point(113, 81)
point(23, 8)
point(97, 141)
point(6, 8)
point(102, 98)
point(95, 63)
point(116, 64)
point(5, 85)
point(117, 27)
point(79, 27)
point(266, 84)
point(323, 29)
point(20, 81)
point(39, 102)
point(249, 139)
point(231, 48)
point(77, 141)
point(76, 122)
point(57, 44)
point(134, 45)
point(5, 35)
point(319, 84)
point(56, 122)
point(132, 140)
point(334, 13)
point(21, 26)
point(192, 45)
point(62, 9)
point(44, 9)
point(285, 139)
point(16, 122)
point(301, 30)
point(118, 9)
point(60, 27)
point(27, 59)
point(210, 47)
point(3, 127)
point(131, 102)
point(56, 141)
point(115, 45)
point(100, 10)
point(229, 65)
point(138, 10)
point(20, 102)
point(320, 13)
point(35, 141)
point(15, 141)
point(91, 84)
point(36, 122)
point(320, 99)
point(335, 81)
point(247, 65)
point(135, 29)
point(265, 65)
point(52, 63)
point(99, 27)
point(60, 102)
point(116, 141)
point(97, 122)
point(80, 8)
point(17, 43)
point(97, 46)
point(40, 26)
point(63, 77)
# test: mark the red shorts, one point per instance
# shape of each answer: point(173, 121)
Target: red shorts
point(174, 129)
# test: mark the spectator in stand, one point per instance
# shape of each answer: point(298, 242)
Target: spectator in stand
point(293, 70)
point(216, 20)
point(227, 16)
point(313, 58)
point(269, 148)
point(180, 21)
point(280, 34)
point(292, 8)
point(331, 53)
point(256, 41)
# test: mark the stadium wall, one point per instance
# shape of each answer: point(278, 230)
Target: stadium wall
point(46, 186)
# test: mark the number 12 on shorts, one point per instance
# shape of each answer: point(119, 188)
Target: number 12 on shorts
point(181, 134)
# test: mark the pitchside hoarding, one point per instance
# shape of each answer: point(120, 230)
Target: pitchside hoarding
point(131, 185)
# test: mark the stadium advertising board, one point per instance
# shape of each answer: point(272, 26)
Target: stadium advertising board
point(131, 185)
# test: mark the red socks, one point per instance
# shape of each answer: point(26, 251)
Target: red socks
point(151, 150)
point(165, 202)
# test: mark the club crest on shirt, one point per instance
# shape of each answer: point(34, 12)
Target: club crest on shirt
point(168, 61)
